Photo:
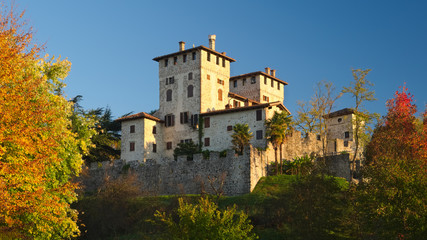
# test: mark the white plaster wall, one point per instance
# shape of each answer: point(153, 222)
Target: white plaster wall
point(137, 137)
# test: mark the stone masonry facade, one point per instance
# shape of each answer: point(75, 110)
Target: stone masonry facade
point(200, 102)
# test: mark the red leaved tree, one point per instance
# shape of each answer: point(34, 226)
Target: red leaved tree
point(393, 198)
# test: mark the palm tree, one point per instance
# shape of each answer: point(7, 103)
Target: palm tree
point(241, 137)
point(277, 128)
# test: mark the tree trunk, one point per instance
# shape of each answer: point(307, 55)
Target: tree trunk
point(281, 159)
point(275, 158)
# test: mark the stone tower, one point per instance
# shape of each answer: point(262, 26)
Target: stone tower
point(191, 81)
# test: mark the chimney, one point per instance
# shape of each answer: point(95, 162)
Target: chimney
point(224, 53)
point(267, 70)
point(212, 42)
point(181, 46)
point(273, 72)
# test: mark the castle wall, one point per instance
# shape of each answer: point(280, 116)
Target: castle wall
point(297, 145)
point(239, 174)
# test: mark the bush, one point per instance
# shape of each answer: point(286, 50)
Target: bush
point(205, 221)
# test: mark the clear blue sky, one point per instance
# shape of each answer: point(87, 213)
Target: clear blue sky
point(111, 44)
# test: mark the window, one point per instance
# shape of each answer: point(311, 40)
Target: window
point(223, 62)
point(154, 147)
point(278, 85)
point(194, 55)
point(244, 81)
point(259, 115)
point(169, 95)
point(166, 62)
point(183, 117)
point(235, 83)
point(169, 120)
point(190, 91)
point(169, 145)
point(265, 80)
point(207, 121)
point(217, 60)
point(219, 95)
point(184, 58)
point(345, 143)
point(208, 77)
point(272, 83)
point(318, 137)
point(190, 76)
point(259, 134)
point(253, 80)
point(265, 98)
point(346, 134)
point(229, 128)
point(209, 57)
point(175, 60)
point(170, 80)
point(194, 119)
point(207, 142)
point(132, 129)
point(132, 146)
point(220, 81)
point(154, 130)
point(236, 103)
point(339, 120)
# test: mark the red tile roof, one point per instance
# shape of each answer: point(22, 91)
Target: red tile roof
point(137, 116)
point(246, 108)
point(192, 49)
point(257, 73)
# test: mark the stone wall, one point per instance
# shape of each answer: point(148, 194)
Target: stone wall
point(239, 174)
point(297, 145)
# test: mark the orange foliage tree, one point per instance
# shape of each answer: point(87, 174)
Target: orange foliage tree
point(39, 154)
point(393, 199)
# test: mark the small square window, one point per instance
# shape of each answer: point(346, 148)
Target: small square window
point(229, 128)
point(318, 137)
point(346, 134)
point(209, 57)
point(265, 80)
point(154, 147)
point(207, 142)
point(278, 85)
point(217, 60)
point(132, 146)
point(272, 83)
point(166, 62)
point(259, 134)
point(184, 58)
point(132, 129)
point(235, 83)
point(190, 76)
point(253, 80)
point(223, 62)
point(339, 120)
point(154, 130)
point(208, 77)
point(244, 81)
point(175, 60)
point(194, 55)
point(346, 143)
point(169, 145)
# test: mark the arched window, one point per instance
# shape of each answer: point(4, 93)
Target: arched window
point(190, 76)
point(190, 91)
point(169, 95)
point(219, 94)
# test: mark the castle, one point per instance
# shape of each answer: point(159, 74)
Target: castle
point(200, 102)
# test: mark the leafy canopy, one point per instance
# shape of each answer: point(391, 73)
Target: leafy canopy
point(39, 154)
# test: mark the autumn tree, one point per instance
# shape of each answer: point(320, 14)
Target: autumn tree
point(310, 116)
point(393, 200)
point(360, 90)
point(39, 154)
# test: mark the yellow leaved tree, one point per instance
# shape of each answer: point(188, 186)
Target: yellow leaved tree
point(39, 153)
